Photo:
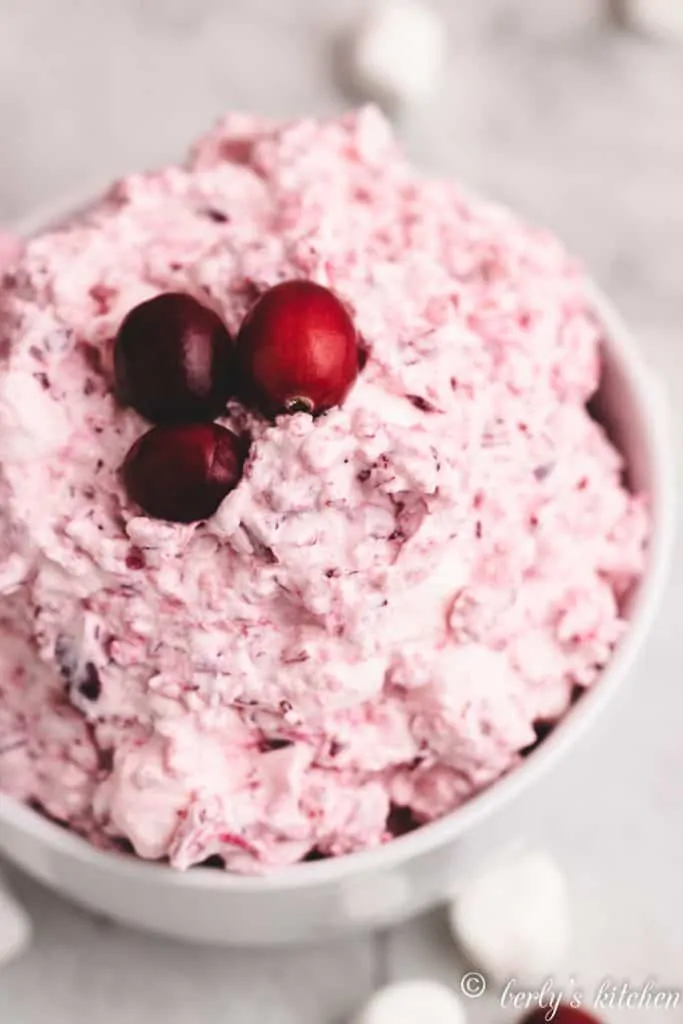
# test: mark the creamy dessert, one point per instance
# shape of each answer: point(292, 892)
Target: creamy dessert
point(286, 572)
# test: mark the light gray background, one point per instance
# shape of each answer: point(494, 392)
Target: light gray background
point(578, 127)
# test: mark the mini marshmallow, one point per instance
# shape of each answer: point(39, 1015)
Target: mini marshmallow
point(412, 1002)
point(662, 19)
point(396, 52)
point(15, 927)
point(512, 920)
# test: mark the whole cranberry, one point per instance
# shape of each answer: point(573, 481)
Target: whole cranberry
point(182, 472)
point(172, 359)
point(297, 350)
point(563, 1014)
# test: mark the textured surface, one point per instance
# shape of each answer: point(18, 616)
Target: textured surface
point(391, 597)
point(577, 128)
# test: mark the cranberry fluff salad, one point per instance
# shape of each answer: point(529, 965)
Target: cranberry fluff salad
point(307, 533)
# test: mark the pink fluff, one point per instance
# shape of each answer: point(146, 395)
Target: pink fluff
point(393, 595)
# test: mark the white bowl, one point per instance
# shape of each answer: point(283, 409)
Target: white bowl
point(312, 901)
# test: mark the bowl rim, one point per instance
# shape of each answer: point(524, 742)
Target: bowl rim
point(651, 402)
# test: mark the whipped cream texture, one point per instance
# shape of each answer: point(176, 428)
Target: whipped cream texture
point(377, 620)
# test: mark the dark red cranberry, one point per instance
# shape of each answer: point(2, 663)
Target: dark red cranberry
point(182, 473)
point(297, 350)
point(563, 1014)
point(314, 855)
point(135, 559)
point(401, 821)
point(172, 359)
point(268, 744)
point(542, 730)
point(214, 861)
point(90, 686)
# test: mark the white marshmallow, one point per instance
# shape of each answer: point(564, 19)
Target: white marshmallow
point(397, 51)
point(15, 927)
point(662, 19)
point(512, 920)
point(412, 1002)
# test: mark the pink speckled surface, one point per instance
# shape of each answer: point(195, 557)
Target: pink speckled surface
point(393, 595)
point(10, 248)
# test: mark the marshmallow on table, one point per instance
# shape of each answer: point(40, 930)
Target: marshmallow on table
point(412, 1002)
point(15, 927)
point(662, 19)
point(396, 51)
point(512, 920)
